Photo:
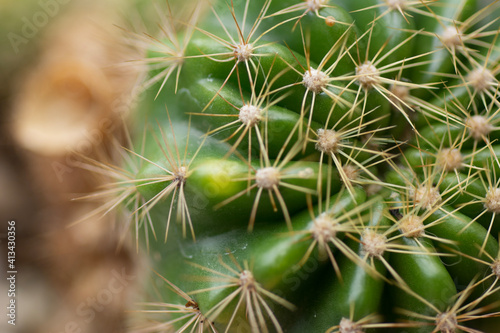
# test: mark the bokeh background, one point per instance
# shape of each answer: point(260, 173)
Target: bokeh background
point(70, 77)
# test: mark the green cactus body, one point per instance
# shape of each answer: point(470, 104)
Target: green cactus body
point(323, 166)
point(433, 287)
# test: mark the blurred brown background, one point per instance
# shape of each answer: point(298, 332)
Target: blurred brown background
point(66, 88)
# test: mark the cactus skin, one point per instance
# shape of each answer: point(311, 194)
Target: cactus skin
point(311, 145)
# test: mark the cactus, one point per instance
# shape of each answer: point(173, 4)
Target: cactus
point(318, 166)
